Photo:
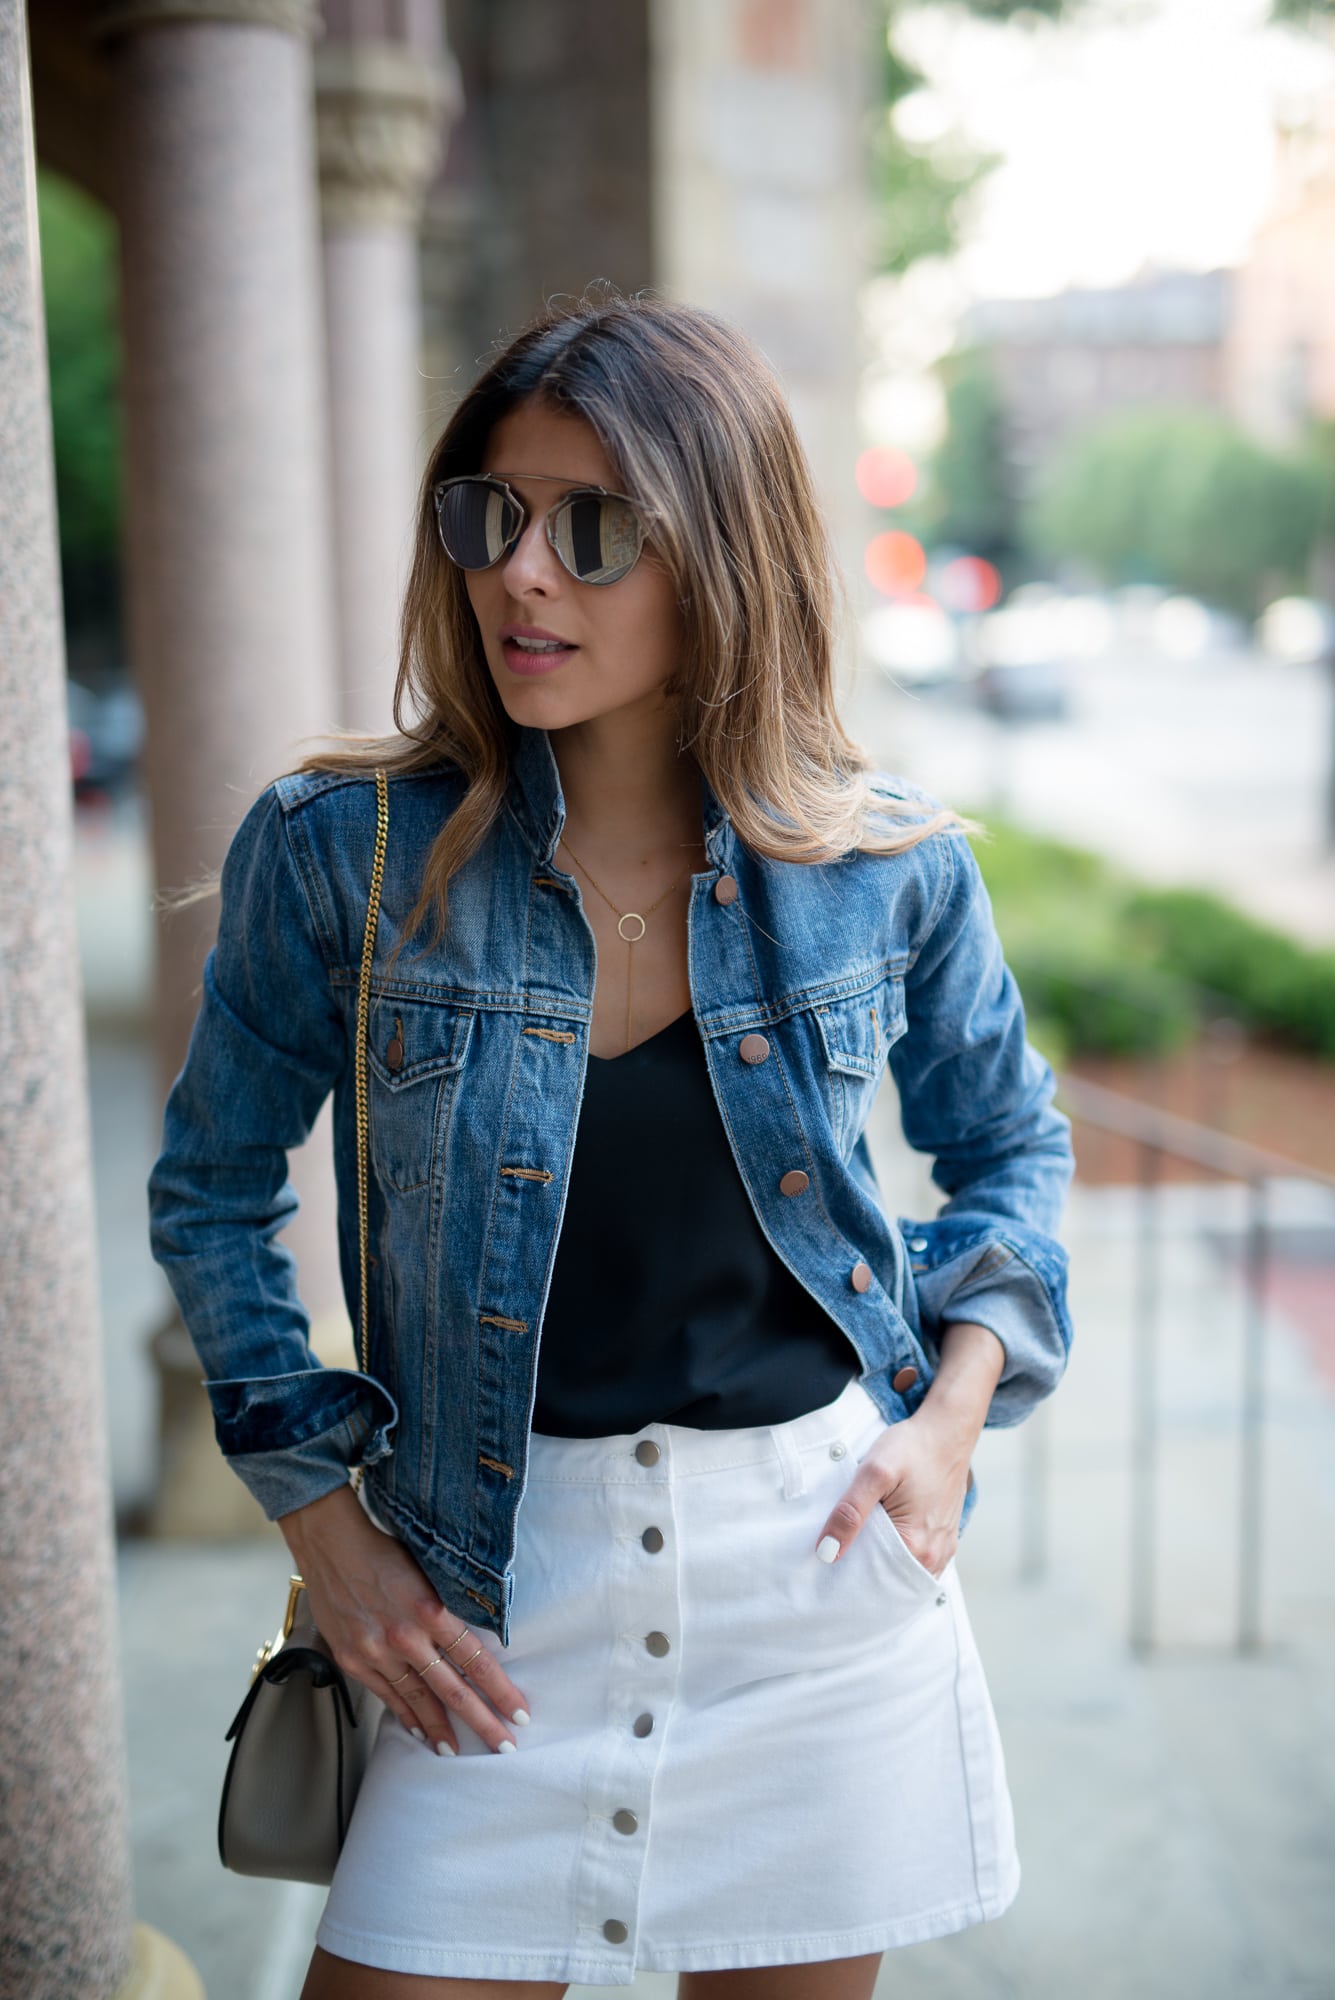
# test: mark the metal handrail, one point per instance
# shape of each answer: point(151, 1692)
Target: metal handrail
point(1183, 1138)
point(1158, 1135)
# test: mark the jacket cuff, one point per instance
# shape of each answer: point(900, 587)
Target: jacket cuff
point(293, 1438)
point(1008, 1279)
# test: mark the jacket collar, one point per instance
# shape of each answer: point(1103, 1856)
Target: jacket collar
point(539, 806)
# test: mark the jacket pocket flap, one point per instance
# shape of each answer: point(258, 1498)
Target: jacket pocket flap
point(414, 1039)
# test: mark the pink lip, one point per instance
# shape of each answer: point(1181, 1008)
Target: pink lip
point(532, 664)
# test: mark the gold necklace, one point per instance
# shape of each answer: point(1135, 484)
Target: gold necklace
point(625, 917)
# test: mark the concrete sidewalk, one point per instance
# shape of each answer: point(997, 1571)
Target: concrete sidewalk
point(1176, 1816)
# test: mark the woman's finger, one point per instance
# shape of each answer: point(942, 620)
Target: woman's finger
point(415, 1707)
point(486, 1672)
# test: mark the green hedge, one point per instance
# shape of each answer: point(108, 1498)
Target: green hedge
point(1110, 966)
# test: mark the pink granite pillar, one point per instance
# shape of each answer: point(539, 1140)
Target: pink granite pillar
point(229, 573)
point(65, 1930)
point(384, 90)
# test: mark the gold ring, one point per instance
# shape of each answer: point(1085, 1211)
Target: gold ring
point(464, 1665)
point(402, 1677)
point(429, 1665)
point(455, 1640)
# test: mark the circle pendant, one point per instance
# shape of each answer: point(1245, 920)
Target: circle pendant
point(632, 917)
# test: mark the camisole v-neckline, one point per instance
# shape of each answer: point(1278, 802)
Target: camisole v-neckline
point(635, 1048)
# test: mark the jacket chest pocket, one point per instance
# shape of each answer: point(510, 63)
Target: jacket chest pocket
point(416, 1053)
point(854, 1038)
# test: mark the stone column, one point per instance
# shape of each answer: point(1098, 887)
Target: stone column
point(381, 108)
point(65, 1925)
point(229, 583)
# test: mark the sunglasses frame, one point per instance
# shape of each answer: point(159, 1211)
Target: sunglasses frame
point(489, 479)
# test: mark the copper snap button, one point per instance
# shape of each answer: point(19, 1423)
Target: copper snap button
point(658, 1644)
point(725, 889)
point(643, 1725)
point(754, 1049)
point(860, 1276)
point(625, 1821)
point(647, 1452)
point(794, 1182)
point(903, 1379)
point(652, 1539)
point(615, 1931)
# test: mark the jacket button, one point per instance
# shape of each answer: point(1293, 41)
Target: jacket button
point(917, 1243)
point(615, 1931)
point(647, 1452)
point(394, 1053)
point(754, 1049)
point(625, 1821)
point(643, 1725)
point(652, 1539)
point(794, 1182)
point(658, 1644)
point(725, 889)
point(903, 1379)
point(860, 1276)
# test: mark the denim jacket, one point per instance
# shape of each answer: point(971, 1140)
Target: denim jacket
point(806, 981)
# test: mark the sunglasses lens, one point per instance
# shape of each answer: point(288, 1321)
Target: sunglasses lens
point(597, 536)
point(478, 523)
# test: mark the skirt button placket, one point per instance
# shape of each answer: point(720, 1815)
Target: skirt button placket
point(644, 1666)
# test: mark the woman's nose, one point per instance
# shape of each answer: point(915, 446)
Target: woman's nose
point(531, 563)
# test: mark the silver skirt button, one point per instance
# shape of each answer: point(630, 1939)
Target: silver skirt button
point(647, 1452)
point(615, 1931)
point(652, 1539)
point(658, 1644)
point(625, 1821)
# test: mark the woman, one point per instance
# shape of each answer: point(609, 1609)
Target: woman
point(663, 1609)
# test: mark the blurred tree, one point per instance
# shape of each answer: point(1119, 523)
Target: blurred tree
point(967, 497)
point(78, 241)
point(921, 185)
point(1182, 498)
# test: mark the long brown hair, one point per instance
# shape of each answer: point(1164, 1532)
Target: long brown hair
point(695, 424)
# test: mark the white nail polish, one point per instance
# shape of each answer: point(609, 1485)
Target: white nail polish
point(506, 1744)
point(827, 1548)
point(420, 1734)
point(444, 1749)
point(522, 1717)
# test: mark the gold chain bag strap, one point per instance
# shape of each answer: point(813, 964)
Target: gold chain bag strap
point(301, 1739)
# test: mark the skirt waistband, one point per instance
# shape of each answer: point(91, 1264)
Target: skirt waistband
point(682, 1452)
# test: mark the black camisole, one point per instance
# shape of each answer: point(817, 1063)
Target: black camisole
point(667, 1303)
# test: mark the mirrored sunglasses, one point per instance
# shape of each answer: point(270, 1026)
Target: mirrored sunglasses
point(597, 535)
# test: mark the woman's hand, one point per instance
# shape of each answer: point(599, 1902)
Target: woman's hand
point(381, 1620)
point(918, 1470)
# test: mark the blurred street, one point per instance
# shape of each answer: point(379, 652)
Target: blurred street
point(1211, 771)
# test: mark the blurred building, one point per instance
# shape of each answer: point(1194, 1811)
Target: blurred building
point(1280, 361)
point(1063, 362)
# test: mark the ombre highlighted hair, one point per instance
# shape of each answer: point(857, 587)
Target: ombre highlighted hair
point(695, 423)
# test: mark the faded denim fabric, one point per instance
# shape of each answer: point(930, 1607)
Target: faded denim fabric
point(842, 968)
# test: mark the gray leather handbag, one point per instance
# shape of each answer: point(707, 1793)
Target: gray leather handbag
point(302, 1738)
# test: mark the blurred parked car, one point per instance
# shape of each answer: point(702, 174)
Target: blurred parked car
point(106, 733)
point(1024, 690)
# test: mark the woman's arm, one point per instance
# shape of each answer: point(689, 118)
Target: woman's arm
point(267, 1047)
point(977, 1098)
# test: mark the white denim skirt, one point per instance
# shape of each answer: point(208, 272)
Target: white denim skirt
point(739, 1755)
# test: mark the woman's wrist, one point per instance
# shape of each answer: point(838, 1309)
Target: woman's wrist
point(331, 1515)
point(960, 1393)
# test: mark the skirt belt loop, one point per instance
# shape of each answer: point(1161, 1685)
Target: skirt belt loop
point(790, 1458)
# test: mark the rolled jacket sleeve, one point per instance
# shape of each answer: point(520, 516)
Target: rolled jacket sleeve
point(267, 1046)
point(978, 1098)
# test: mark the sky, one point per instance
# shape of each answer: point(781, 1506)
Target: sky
point(1142, 134)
